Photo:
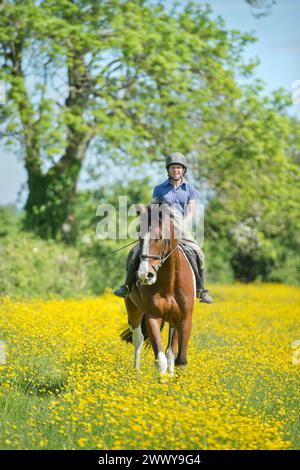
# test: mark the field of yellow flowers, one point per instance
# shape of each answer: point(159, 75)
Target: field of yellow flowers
point(68, 381)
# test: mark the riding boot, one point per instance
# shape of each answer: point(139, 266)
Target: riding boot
point(202, 293)
point(125, 289)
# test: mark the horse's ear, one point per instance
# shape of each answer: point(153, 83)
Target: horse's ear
point(140, 208)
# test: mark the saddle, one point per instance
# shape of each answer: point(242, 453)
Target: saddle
point(195, 263)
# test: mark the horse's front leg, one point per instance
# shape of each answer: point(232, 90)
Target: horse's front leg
point(134, 324)
point(184, 332)
point(171, 349)
point(153, 327)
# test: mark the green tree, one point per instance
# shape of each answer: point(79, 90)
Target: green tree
point(255, 205)
point(129, 79)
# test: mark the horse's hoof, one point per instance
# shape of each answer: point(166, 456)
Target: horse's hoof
point(181, 365)
point(162, 363)
point(180, 362)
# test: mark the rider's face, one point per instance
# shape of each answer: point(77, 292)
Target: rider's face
point(176, 171)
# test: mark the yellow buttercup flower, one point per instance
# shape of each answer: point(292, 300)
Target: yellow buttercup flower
point(69, 380)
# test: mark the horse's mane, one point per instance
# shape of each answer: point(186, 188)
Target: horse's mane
point(160, 203)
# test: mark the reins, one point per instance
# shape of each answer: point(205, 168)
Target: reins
point(91, 260)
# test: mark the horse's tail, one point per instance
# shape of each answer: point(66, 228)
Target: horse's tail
point(126, 333)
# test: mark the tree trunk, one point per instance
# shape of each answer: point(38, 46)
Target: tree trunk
point(50, 204)
point(52, 196)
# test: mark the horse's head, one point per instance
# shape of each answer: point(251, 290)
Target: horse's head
point(156, 232)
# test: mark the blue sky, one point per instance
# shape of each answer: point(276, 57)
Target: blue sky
point(278, 48)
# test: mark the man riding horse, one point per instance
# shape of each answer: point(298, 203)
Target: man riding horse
point(180, 194)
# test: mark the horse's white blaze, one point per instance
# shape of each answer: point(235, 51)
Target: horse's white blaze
point(170, 360)
point(144, 264)
point(137, 339)
point(162, 362)
point(193, 274)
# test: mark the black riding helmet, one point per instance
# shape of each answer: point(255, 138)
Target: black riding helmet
point(176, 158)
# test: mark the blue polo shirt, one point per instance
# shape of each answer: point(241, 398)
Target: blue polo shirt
point(177, 197)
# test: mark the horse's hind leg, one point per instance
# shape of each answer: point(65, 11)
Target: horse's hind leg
point(184, 332)
point(134, 322)
point(137, 339)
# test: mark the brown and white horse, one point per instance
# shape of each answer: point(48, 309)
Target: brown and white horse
point(164, 292)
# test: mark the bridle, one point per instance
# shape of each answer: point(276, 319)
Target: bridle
point(162, 257)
